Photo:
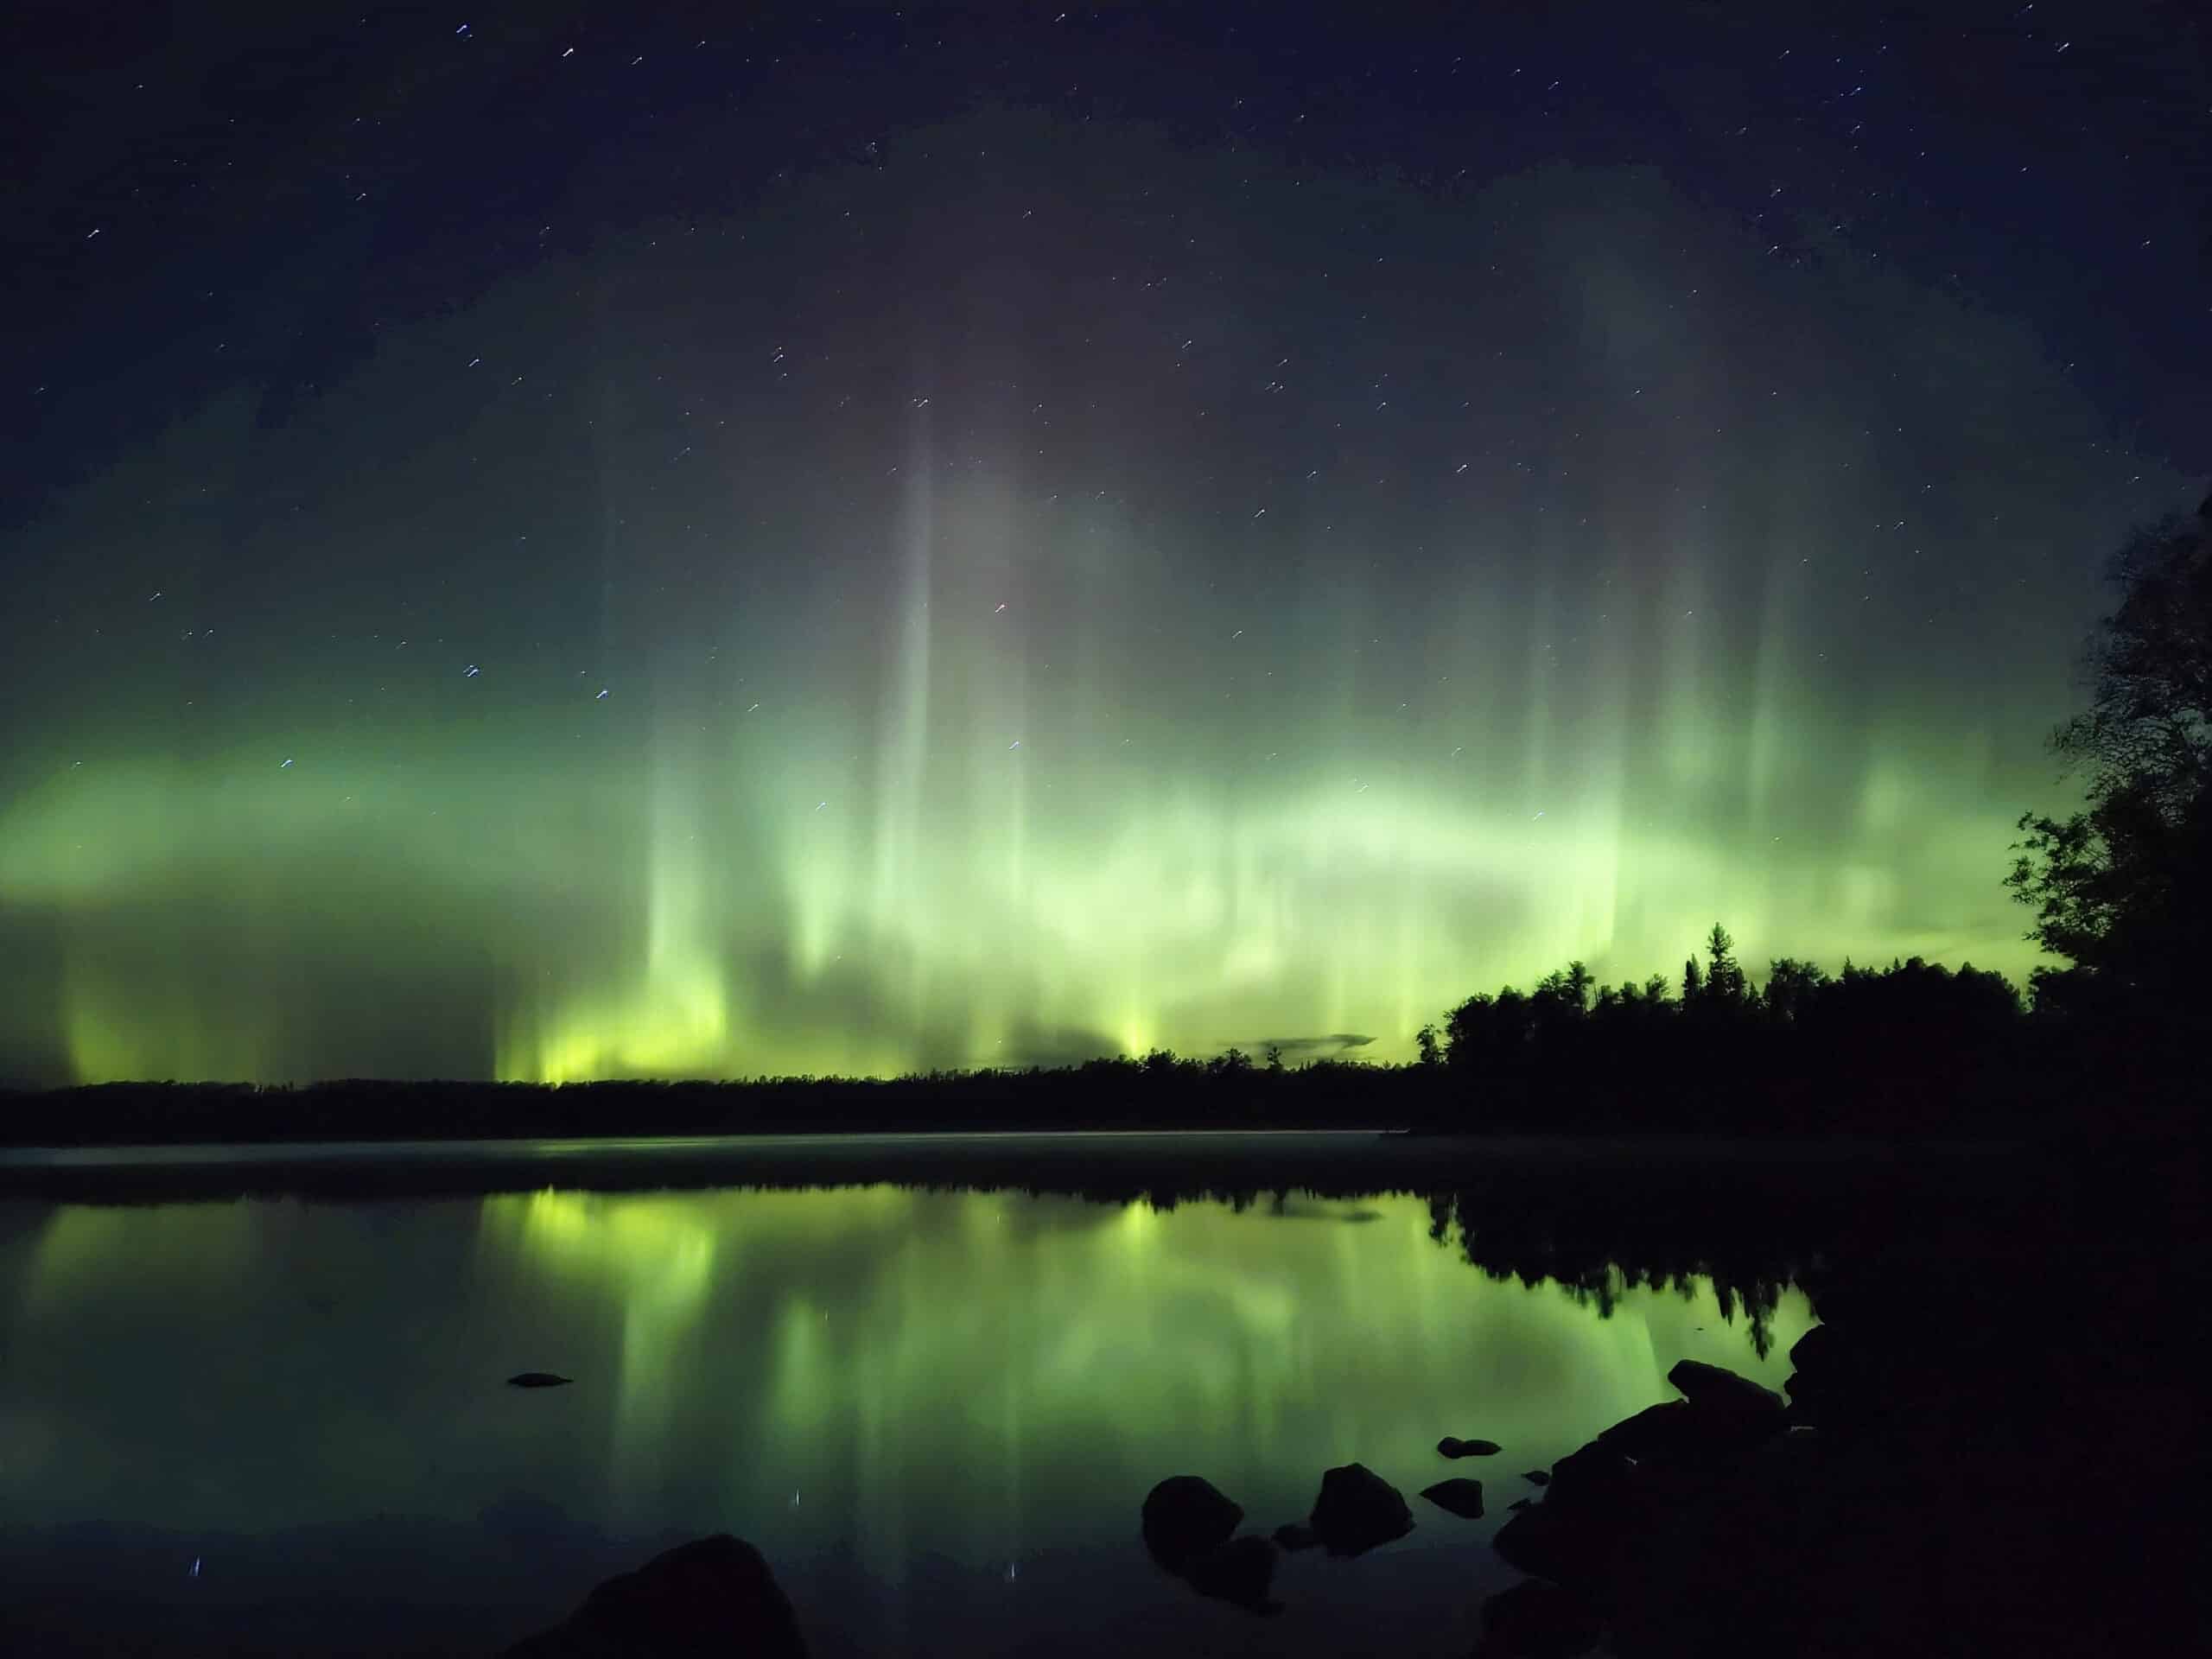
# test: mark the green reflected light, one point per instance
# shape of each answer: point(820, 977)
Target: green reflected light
point(982, 1374)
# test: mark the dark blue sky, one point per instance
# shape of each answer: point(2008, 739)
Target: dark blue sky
point(211, 196)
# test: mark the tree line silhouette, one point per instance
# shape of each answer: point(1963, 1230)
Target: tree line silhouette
point(1914, 1047)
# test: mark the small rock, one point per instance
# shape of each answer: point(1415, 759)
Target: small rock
point(1537, 1477)
point(1522, 1504)
point(1292, 1535)
point(1462, 1497)
point(1358, 1510)
point(1184, 1517)
point(1453, 1446)
point(537, 1380)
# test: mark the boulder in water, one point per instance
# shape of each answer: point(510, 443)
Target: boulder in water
point(538, 1380)
point(1184, 1516)
point(1358, 1510)
point(1461, 1497)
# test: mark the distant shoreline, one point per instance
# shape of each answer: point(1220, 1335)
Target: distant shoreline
point(1109, 1164)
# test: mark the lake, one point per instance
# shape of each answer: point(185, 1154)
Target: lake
point(272, 1417)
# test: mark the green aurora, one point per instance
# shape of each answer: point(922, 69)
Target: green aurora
point(654, 711)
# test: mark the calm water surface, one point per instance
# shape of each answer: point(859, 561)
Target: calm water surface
point(281, 1425)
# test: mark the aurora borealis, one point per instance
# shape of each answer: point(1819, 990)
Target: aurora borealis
point(1018, 582)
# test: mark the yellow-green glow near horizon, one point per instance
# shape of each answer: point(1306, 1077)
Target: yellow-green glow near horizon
point(873, 1350)
point(916, 721)
point(1149, 911)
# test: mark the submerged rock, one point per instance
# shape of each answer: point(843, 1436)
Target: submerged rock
point(1358, 1510)
point(712, 1595)
point(1185, 1516)
point(538, 1380)
point(1462, 1497)
point(1451, 1446)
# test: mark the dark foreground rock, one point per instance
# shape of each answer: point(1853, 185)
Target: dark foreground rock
point(1921, 1493)
point(1189, 1527)
point(1716, 1389)
point(1185, 1516)
point(1461, 1497)
point(1451, 1446)
point(538, 1380)
point(711, 1595)
point(1358, 1510)
point(1536, 1620)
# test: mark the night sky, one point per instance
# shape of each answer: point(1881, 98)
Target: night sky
point(594, 542)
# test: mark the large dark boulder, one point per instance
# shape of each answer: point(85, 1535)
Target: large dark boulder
point(1683, 1432)
point(1818, 1346)
point(1358, 1510)
point(1597, 1474)
point(711, 1595)
point(1184, 1516)
point(1567, 1546)
point(1536, 1620)
point(1714, 1388)
point(1590, 1507)
point(1461, 1497)
point(1665, 1430)
point(1188, 1527)
point(1836, 1383)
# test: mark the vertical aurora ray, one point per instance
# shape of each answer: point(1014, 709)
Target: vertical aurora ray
point(1020, 650)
